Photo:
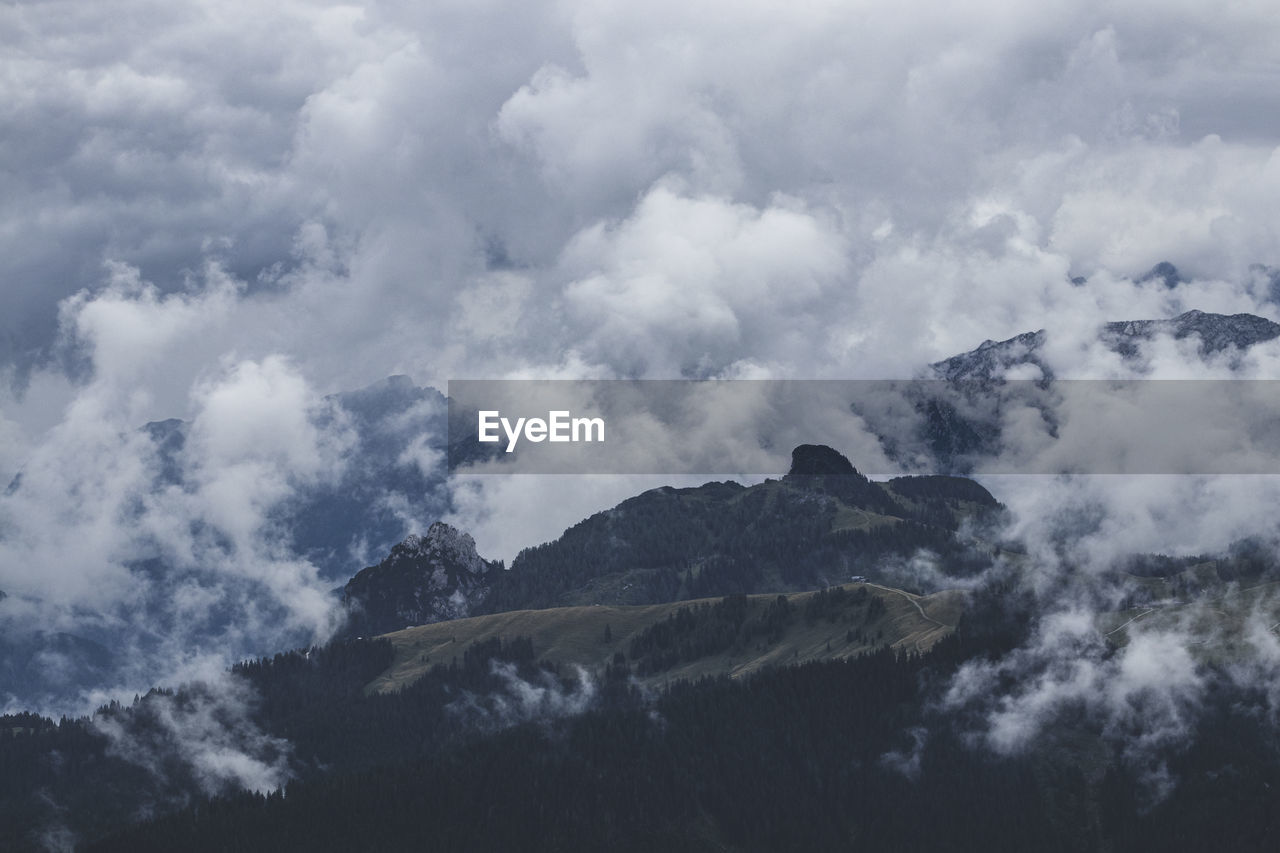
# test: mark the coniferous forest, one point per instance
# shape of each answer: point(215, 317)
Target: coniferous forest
point(839, 755)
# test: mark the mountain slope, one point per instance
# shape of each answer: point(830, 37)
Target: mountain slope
point(835, 755)
point(820, 524)
point(833, 624)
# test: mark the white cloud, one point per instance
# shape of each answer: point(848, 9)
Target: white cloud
point(688, 286)
point(220, 212)
point(208, 730)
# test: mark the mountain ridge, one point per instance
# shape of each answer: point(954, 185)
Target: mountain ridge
point(822, 523)
point(1217, 333)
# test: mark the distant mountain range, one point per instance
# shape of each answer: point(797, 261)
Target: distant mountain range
point(816, 526)
point(1216, 333)
point(959, 423)
point(726, 667)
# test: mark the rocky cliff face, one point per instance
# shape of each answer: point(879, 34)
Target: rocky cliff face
point(819, 468)
point(424, 579)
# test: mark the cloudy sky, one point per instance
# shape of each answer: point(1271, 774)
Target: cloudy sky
point(222, 211)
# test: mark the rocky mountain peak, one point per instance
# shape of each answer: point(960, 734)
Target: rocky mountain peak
point(993, 358)
point(1217, 332)
point(1165, 273)
point(426, 578)
point(819, 468)
point(810, 460)
point(443, 543)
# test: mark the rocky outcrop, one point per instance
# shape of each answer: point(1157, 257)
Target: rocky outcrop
point(424, 579)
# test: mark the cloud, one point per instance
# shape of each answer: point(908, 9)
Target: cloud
point(392, 158)
point(522, 700)
point(1143, 697)
point(908, 763)
point(221, 213)
point(1141, 686)
point(203, 733)
point(93, 515)
point(149, 135)
point(690, 286)
point(1090, 522)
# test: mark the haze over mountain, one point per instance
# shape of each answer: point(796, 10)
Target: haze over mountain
point(224, 216)
point(190, 566)
point(1213, 334)
point(390, 478)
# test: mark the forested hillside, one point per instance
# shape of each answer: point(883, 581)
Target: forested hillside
point(826, 756)
point(816, 527)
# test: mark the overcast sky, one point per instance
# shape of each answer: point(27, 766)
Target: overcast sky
point(658, 189)
point(222, 210)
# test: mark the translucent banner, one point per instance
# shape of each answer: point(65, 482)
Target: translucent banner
point(749, 427)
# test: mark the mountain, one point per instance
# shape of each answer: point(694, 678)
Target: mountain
point(821, 469)
point(788, 720)
point(992, 359)
point(477, 737)
point(365, 706)
point(817, 526)
point(959, 419)
point(1217, 333)
point(1165, 273)
point(424, 579)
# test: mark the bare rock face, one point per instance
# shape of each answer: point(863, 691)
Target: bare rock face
point(812, 460)
point(424, 579)
point(823, 469)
